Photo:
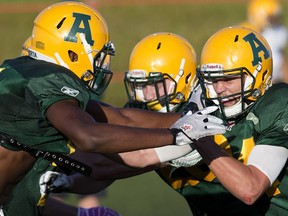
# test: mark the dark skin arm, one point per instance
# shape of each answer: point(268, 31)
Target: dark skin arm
point(108, 167)
point(14, 165)
point(104, 172)
point(105, 113)
point(115, 130)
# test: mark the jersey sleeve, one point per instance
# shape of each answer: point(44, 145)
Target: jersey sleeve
point(269, 159)
point(54, 87)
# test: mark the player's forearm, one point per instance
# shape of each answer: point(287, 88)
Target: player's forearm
point(239, 179)
point(85, 185)
point(141, 158)
point(148, 119)
point(114, 139)
point(132, 116)
point(244, 182)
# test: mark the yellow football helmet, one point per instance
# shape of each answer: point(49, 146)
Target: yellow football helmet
point(260, 13)
point(162, 60)
point(236, 52)
point(75, 36)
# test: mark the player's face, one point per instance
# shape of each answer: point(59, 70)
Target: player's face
point(150, 91)
point(228, 86)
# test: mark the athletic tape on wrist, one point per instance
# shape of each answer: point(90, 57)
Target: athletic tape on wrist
point(174, 132)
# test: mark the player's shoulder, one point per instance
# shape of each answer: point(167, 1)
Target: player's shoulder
point(46, 76)
point(29, 67)
point(274, 101)
point(278, 90)
point(50, 68)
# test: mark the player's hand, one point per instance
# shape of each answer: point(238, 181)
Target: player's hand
point(191, 159)
point(54, 182)
point(197, 125)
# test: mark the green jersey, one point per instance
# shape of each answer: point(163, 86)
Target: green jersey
point(28, 88)
point(265, 123)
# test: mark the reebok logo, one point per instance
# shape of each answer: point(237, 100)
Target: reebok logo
point(69, 91)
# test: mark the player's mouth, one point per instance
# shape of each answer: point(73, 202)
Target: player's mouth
point(229, 101)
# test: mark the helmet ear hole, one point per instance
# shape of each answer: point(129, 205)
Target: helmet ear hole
point(73, 56)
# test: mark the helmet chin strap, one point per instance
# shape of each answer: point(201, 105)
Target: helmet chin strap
point(140, 95)
point(164, 108)
point(234, 109)
point(156, 106)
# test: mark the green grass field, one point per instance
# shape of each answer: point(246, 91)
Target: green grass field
point(146, 194)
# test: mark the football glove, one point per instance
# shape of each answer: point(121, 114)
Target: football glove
point(191, 127)
point(188, 160)
point(54, 182)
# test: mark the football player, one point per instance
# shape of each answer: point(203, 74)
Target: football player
point(244, 171)
point(47, 110)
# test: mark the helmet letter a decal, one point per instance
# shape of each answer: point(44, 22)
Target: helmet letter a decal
point(257, 46)
point(76, 28)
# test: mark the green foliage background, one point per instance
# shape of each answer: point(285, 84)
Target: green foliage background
point(145, 194)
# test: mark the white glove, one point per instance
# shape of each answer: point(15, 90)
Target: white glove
point(54, 182)
point(188, 160)
point(197, 125)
